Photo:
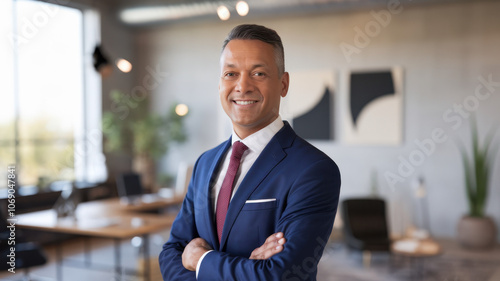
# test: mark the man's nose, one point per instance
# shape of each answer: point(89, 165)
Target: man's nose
point(244, 84)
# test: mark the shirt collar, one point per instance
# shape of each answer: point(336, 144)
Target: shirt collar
point(257, 141)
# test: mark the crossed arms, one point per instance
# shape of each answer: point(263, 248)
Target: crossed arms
point(292, 253)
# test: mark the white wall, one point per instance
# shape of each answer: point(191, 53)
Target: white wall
point(443, 49)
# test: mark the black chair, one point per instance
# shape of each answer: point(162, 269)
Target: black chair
point(365, 226)
point(27, 254)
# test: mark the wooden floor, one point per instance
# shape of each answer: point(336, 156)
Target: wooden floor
point(337, 263)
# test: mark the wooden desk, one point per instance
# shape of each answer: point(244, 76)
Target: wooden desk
point(149, 203)
point(105, 218)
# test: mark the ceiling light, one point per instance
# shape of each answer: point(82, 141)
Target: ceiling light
point(149, 14)
point(242, 8)
point(124, 65)
point(223, 12)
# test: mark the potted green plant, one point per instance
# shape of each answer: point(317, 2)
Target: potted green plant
point(476, 230)
point(143, 134)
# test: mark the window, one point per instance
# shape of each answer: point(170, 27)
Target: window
point(48, 129)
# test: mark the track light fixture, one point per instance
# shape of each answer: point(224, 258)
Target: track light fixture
point(101, 63)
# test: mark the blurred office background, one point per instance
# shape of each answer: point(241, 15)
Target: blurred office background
point(72, 69)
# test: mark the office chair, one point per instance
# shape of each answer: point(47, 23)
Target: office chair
point(365, 226)
point(27, 254)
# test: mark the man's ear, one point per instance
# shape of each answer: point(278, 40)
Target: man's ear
point(285, 82)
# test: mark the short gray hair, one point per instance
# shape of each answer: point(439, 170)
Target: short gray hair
point(261, 33)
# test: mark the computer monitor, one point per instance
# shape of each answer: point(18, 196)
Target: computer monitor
point(129, 185)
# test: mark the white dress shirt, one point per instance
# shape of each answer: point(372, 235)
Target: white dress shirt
point(256, 143)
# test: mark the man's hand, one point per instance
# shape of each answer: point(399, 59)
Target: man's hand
point(272, 246)
point(193, 252)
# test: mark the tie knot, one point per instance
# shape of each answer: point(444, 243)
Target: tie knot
point(238, 149)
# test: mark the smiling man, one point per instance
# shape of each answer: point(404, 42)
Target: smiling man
point(261, 205)
point(251, 85)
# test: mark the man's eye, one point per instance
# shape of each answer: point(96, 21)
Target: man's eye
point(259, 74)
point(229, 74)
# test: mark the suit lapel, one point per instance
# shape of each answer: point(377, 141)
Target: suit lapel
point(209, 209)
point(271, 156)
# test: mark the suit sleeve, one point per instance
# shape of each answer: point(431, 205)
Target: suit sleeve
point(183, 231)
point(306, 222)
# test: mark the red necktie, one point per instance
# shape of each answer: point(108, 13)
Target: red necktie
point(227, 186)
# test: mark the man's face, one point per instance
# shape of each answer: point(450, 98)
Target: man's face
point(250, 86)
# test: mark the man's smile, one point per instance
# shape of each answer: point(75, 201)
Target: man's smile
point(244, 102)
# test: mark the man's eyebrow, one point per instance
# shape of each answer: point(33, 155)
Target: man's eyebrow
point(231, 65)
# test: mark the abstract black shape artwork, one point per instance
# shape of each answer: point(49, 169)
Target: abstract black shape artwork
point(374, 107)
point(366, 87)
point(316, 124)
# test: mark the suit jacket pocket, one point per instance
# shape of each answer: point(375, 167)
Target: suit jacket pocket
point(257, 205)
point(254, 224)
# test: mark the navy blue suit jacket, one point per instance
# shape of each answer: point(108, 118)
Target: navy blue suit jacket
point(305, 184)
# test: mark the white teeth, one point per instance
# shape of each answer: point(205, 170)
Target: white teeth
point(242, 102)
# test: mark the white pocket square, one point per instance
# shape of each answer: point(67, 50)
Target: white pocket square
point(260, 200)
